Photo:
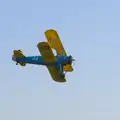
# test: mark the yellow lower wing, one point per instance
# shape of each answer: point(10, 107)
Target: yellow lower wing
point(49, 57)
point(19, 54)
point(55, 73)
point(55, 43)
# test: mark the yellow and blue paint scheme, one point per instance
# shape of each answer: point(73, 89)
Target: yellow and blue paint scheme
point(56, 68)
point(38, 60)
point(57, 65)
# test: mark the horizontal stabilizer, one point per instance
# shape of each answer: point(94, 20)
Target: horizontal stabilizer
point(19, 54)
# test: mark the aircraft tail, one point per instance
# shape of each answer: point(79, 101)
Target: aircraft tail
point(18, 54)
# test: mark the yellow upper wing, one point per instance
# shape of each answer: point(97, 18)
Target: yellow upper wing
point(55, 43)
point(48, 57)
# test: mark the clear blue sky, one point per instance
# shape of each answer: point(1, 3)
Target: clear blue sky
point(90, 31)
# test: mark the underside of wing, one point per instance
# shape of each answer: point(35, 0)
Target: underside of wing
point(55, 42)
point(55, 73)
point(49, 57)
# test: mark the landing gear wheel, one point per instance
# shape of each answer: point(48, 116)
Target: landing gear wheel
point(62, 75)
point(16, 63)
point(19, 50)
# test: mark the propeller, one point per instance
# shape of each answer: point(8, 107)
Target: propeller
point(71, 60)
point(68, 67)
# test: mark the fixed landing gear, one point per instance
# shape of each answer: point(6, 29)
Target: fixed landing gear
point(16, 63)
point(63, 75)
point(60, 67)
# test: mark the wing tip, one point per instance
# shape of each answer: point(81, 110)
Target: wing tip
point(42, 43)
point(60, 80)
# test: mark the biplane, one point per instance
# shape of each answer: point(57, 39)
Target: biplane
point(58, 65)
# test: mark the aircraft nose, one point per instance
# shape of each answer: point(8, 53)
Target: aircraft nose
point(13, 58)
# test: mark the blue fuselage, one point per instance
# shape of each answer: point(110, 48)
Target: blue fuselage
point(38, 60)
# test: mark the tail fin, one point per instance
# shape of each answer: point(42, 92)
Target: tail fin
point(19, 54)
